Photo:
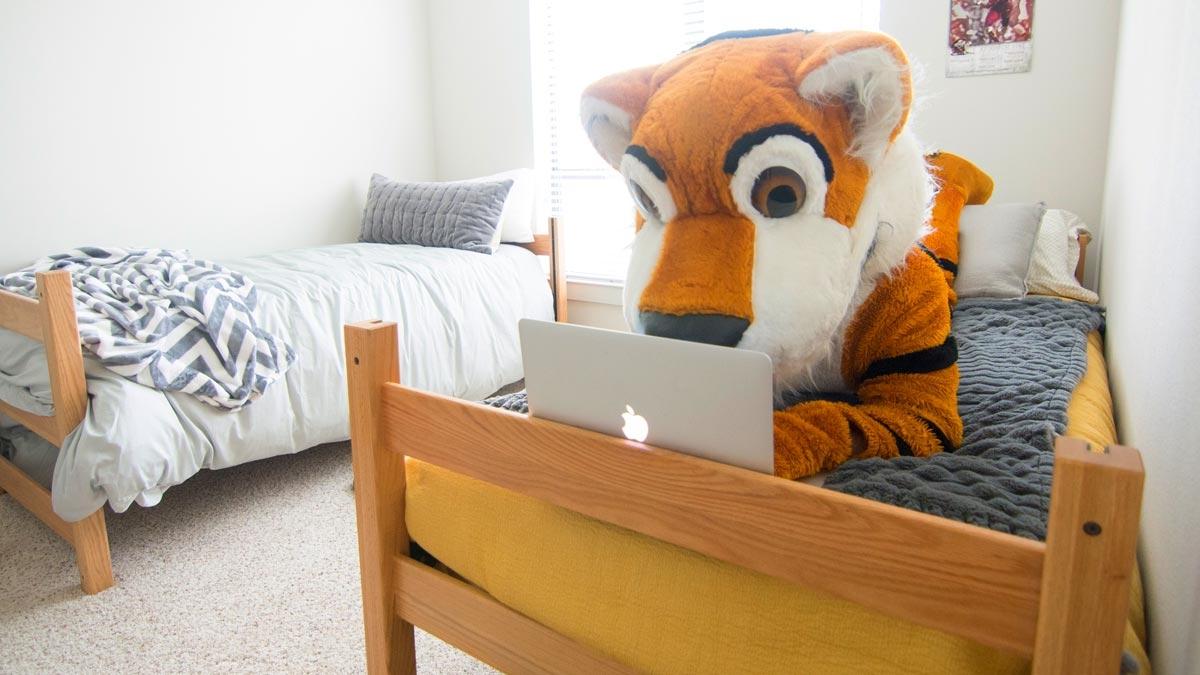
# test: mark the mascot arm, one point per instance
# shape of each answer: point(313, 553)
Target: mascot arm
point(903, 361)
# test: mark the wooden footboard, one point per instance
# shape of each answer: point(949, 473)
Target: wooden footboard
point(1058, 603)
point(51, 320)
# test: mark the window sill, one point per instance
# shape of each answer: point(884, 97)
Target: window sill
point(603, 292)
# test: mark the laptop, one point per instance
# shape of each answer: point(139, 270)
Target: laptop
point(703, 400)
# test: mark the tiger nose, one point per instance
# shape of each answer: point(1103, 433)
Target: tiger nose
point(713, 329)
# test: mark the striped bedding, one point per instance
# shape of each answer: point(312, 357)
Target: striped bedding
point(168, 321)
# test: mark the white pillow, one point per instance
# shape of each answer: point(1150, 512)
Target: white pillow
point(1055, 256)
point(516, 221)
point(995, 242)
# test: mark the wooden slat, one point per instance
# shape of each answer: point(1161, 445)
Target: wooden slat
point(33, 497)
point(20, 315)
point(1091, 542)
point(483, 627)
point(948, 575)
point(64, 357)
point(46, 427)
point(373, 358)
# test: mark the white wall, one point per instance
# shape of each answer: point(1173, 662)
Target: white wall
point(481, 86)
point(1042, 135)
point(225, 127)
point(1150, 270)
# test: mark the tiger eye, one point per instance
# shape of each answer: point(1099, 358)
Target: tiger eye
point(778, 192)
point(643, 201)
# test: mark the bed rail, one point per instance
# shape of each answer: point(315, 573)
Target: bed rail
point(1059, 602)
point(50, 319)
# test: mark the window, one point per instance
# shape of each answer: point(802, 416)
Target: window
point(575, 44)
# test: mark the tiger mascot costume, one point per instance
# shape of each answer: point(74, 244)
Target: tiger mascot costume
point(782, 205)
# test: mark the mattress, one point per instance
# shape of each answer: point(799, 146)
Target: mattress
point(664, 609)
point(457, 312)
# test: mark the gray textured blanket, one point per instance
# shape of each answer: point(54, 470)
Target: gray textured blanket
point(1020, 361)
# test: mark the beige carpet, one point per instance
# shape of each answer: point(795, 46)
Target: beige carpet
point(250, 569)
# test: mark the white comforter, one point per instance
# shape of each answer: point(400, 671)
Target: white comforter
point(457, 312)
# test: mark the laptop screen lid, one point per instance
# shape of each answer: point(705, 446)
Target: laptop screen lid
point(703, 400)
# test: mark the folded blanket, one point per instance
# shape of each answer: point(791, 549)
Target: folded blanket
point(166, 320)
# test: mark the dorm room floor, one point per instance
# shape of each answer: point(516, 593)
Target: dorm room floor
point(249, 569)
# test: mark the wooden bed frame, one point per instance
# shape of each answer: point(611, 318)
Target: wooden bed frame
point(1062, 603)
point(51, 320)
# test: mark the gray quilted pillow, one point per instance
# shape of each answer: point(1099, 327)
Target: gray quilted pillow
point(450, 215)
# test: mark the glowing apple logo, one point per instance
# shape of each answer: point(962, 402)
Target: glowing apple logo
point(636, 428)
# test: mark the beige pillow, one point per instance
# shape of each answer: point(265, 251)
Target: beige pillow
point(1055, 256)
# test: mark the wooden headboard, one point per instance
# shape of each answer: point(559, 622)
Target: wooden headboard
point(550, 244)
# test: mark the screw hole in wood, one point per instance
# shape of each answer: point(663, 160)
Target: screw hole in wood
point(1091, 528)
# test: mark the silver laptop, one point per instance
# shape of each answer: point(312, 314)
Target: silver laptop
point(703, 400)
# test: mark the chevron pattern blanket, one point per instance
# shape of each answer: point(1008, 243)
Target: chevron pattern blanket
point(166, 320)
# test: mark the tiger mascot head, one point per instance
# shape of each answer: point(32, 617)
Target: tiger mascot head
point(775, 182)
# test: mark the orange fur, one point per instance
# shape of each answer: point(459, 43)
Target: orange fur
point(959, 183)
point(711, 275)
point(907, 312)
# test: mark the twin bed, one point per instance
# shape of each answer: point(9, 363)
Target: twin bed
point(92, 437)
point(543, 548)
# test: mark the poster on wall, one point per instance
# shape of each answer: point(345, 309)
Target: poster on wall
point(988, 37)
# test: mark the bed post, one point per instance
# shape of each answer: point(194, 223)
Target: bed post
point(372, 360)
point(68, 388)
point(558, 273)
point(64, 358)
point(1091, 542)
point(1084, 239)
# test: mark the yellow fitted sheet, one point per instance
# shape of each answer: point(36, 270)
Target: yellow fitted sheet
point(664, 609)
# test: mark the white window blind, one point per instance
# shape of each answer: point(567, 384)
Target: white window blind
point(576, 43)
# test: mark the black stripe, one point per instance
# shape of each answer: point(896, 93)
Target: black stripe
point(923, 361)
point(643, 155)
point(937, 433)
point(941, 262)
point(747, 142)
point(901, 445)
point(793, 398)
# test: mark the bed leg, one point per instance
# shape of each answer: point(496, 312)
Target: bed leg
point(90, 538)
point(1091, 542)
point(372, 360)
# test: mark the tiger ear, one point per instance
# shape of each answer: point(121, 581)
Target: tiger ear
point(868, 73)
point(610, 110)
